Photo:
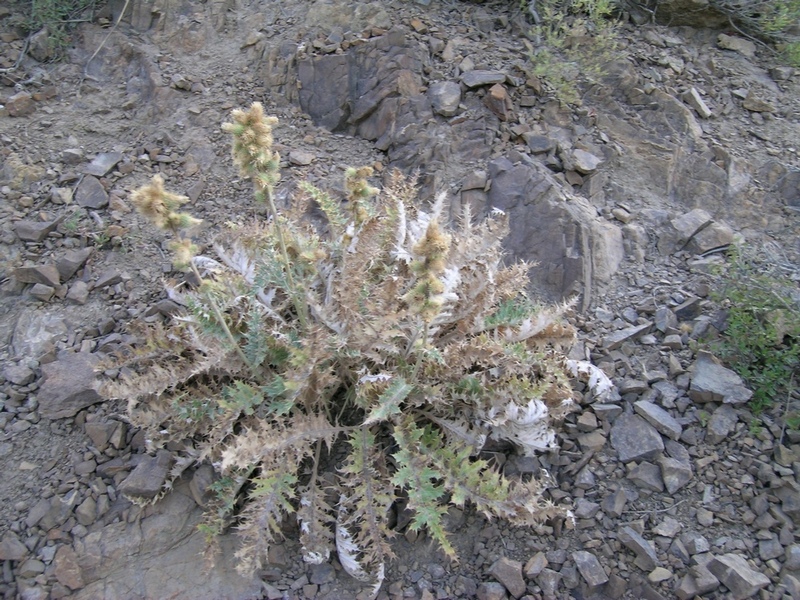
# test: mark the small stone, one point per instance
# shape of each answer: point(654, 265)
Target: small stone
point(721, 424)
point(535, 565)
point(590, 569)
point(107, 278)
point(735, 574)
point(646, 558)
point(714, 237)
point(711, 382)
point(549, 581)
point(585, 162)
point(647, 476)
point(42, 292)
point(91, 193)
point(72, 156)
point(478, 78)
point(19, 374)
point(102, 164)
point(499, 102)
point(737, 44)
point(44, 274)
point(705, 517)
point(659, 574)
point(616, 339)
point(71, 261)
point(68, 385)
point(31, 568)
point(201, 483)
point(34, 231)
point(20, 104)
point(78, 292)
point(614, 504)
point(675, 473)
point(86, 511)
point(148, 478)
point(509, 573)
point(659, 418)
point(11, 548)
point(301, 158)
point(491, 590)
point(538, 144)
point(693, 99)
point(634, 439)
point(669, 527)
point(755, 104)
point(673, 342)
point(769, 549)
point(695, 543)
point(445, 96)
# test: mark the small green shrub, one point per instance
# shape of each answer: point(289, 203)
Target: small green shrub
point(326, 371)
point(761, 340)
point(573, 40)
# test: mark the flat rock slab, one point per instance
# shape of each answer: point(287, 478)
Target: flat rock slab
point(148, 478)
point(735, 574)
point(478, 78)
point(635, 439)
point(160, 556)
point(91, 193)
point(659, 418)
point(103, 163)
point(614, 340)
point(590, 569)
point(711, 382)
point(68, 385)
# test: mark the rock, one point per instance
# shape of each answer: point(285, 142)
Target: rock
point(147, 479)
point(711, 382)
point(301, 158)
point(107, 278)
point(675, 473)
point(71, 261)
point(789, 495)
point(166, 544)
point(634, 439)
point(72, 156)
point(713, 237)
point(535, 565)
point(11, 548)
point(78, 292)
point(100, 433)
point(34, 334)
point(614, 504)
point(614, 340)
point(499, 102)
point(91, 193)
point(40, 45)
point(201, 482)
point(478, 78)
point(445, 96)
point(647, 476)
point(42, 292)
point(19, 374)
point(30, 568)
point(509, 573)
point(659, 418)
point(735, 574)
point(756, 104)
point(34, 231)
point(585, 162)
point(66, 568)
point(44, 274)
point(86, 512)
point(669, 527)
point(737, 44)
point(590, 569)
point(491, 590)
point(20, 104)
point(683, 228)
point(101, 165)
point(646, 558)
point(68, 385)
point(549, 581)
point(693, 99)
point(721, 424)
point(538, 144)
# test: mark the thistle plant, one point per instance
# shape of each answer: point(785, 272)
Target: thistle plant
point(326, 373)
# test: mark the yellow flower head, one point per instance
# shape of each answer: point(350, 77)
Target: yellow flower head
point(157, 204)
point(252, 140)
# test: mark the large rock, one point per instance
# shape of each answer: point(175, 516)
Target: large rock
point(160, 556)
point(635, 439)
point(711, 382)
point(35, 334)
point(735, 574)
point(91, 193)
point(68, 386)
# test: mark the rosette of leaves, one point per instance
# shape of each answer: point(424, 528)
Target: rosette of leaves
point(326, 372)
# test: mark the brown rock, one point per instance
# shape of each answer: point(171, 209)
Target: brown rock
point(11, 548)
point(45, 274)
point(66, 568)
point(499, 102)
point(20, 104)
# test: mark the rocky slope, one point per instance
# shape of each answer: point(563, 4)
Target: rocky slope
point(688, 141)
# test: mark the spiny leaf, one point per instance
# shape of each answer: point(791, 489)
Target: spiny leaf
point(390, 400)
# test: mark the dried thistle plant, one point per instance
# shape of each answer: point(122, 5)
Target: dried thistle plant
point(387, 340)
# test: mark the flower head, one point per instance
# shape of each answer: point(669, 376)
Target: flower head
point(252, 145)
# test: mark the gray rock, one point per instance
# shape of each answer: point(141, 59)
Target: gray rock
point(86, 512)
point(735, 574)
point(78, 292)
point(491, 590)
point(107, 278)
point(68, 385)
point(646, 558)
point(535, 565)
point(634, 439)
point(769, 549)
point(789, 496)
point(713, 237)
point(34, 231)
point(19, 374)
point(166, 544)
point(665, 319)
point(669, 527)
point(721, 424)
point(147, 479)
point(44, 274)
point(509, 573)
point(692, 98)
point(614, 340)
point(67, 569)
point(614, 504)
point(478, 78)
point(101, 165)
point(20, 104)
point(201, 481)
point(549, 581)
point(675, 473)
point(301, 158)
point(538, 144)
point(11, 548)
point(695, 543)
point(647, 476)
point(590, 569)
point(72, 260)
point(445, 96)
point(659, 418)
point(35, 333)
point(737, 44)
point(683, 228)
point(42, 292)
point(711, 382)
point(72, 156)
point(91, 193)
point(585, 162)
